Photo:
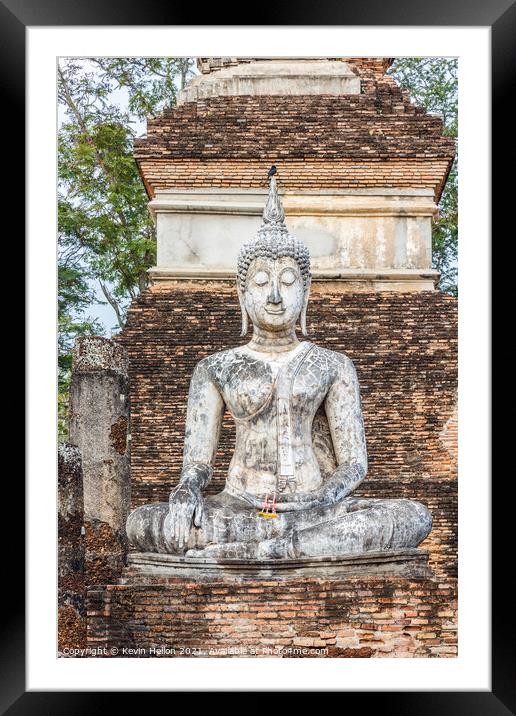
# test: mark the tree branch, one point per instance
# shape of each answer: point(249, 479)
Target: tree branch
point(113, 303)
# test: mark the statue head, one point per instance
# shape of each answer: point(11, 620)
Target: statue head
point(273, 279)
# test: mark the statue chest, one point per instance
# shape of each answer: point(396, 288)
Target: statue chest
point(253, 388)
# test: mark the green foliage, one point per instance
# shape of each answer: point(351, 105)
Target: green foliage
point(106, 237)
point(432, 83)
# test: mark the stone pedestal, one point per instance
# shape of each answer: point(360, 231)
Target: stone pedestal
point(401, 563)
point(99, 423)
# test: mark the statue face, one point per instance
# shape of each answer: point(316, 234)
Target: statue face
point(274, 293)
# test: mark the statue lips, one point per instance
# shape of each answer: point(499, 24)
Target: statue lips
point(275, 312)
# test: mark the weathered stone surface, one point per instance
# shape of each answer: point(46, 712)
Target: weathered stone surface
point(94, 353)
point(99, 425)
point(366, 67)
point(338, 128)
point(275, 76)
point(377, 138)
point(396, 563)
point(404, 348)
point(273, 387)
point(374, 238)
point(379, 125)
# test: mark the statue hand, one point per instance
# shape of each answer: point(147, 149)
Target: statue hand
point(304, 501)
point(186, 508)
point(335, 488)
point(329, 493)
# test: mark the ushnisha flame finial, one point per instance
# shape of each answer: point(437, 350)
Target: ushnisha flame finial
point(273, 240)
point(273, 211)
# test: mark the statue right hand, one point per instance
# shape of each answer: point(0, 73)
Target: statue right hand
point(186, 508)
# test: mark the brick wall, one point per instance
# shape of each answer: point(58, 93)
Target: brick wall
point(403, 346)
point(383, 124)
point(298, 174)
point(353, 618)
point(377, 138)
point(71, 612)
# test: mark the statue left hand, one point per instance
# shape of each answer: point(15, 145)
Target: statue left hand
point(341, 483)
point(306, 501)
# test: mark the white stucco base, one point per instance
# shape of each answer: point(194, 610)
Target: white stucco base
point(371, 238)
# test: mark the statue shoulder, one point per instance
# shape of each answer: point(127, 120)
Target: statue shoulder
point(337, 362)
point(215, 364)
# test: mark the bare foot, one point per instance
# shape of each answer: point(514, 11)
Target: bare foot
point(276, 548)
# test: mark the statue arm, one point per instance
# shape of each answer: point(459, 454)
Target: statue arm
point(203, 421)
point(202, 430)
point(344, 413)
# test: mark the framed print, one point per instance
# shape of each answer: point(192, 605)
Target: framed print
point(270, 469)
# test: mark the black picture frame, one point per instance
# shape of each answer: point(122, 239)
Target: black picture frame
point(500, 16)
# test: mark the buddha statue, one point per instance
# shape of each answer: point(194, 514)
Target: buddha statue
point(300, 448)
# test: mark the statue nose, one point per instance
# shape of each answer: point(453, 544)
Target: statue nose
point(275, 295)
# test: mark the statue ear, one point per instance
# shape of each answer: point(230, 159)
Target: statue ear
point(245, 322)
point(303, 310)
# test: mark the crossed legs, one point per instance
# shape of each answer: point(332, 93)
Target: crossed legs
point(232, 529)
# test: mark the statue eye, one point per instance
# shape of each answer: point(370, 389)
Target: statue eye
point(288, 277)
point(261, 278)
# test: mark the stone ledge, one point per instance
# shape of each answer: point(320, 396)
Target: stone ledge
point(279, 76)
point(338, 202)
point(397, 563)
point(354, 274)
point(397, 280)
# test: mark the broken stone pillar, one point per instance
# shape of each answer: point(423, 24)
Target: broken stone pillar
point(99, 424)
point(71, 577)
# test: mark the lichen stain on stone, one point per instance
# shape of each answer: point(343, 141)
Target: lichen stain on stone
point(118, 435)
point(95, 353)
